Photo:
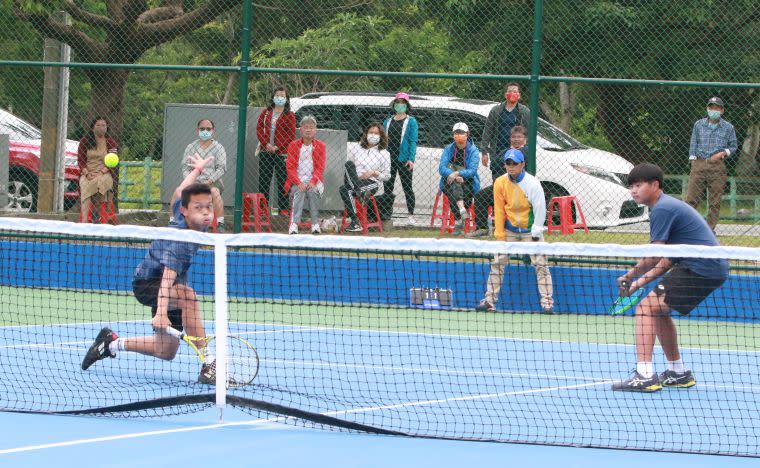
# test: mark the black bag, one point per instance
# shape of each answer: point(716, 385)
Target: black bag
point(384, 205)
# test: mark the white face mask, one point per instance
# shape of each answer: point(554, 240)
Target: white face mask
point(373, 138)
point(279, 100)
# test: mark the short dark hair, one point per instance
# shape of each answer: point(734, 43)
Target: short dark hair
point(519, 129)
point(198, 125)
point(383, 136)
point(646, 172)
point(511, 83)
point(194, 189)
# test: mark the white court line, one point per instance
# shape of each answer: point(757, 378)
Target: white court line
point(282, 418)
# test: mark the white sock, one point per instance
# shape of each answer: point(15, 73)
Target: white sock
point(220, 219)
point(677, 366)
point(646, 369)
point(116, 346)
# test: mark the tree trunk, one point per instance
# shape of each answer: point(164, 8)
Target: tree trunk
point(615, 114)
point(746, 164)
point(566, 105)
point(108, 98)
point(229, 89)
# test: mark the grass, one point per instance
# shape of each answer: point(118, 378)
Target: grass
point(135, 174)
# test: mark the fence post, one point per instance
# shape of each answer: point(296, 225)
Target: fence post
point(245, 52)
point(535, 70)
point(147, 181)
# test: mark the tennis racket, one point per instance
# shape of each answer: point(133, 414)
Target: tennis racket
point(242, 358)
point(623, 303)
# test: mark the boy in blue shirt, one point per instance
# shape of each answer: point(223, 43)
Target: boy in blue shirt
point(160, 282)
point(685, 282)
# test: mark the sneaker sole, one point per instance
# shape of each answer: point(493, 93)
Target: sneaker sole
point(649, 389)
point(688, 384)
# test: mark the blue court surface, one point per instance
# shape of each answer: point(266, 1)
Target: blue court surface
point(75, 441)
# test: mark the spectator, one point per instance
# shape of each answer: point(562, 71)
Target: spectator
point(713, 139)
point(206, 147)
point(498, 130)
point(276, 129)
point(96, 181)
point(484, 198)
point(305, 167)
point(402, 146)
point(459, 173)
point(519, 212)
point(367, 166)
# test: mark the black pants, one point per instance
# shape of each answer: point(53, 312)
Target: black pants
point(271, 164)
point(406, 182)
point(352, 186)
point(458, 192)
point(483, 199)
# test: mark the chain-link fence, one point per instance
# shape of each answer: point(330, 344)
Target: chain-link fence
point(164, 72)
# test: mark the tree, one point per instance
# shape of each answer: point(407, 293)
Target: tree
point(120, 34)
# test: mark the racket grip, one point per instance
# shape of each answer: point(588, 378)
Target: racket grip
point(175, 333)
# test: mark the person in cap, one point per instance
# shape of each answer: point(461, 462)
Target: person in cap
point(713, 139)
point(519, 209)
point(459, 173)
point(684, 283)
point(401, 129)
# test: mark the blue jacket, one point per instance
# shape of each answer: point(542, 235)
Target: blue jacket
point(471, 165)
point(408, 149)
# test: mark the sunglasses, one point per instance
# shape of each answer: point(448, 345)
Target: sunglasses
point(511, 163)
point(206, 128)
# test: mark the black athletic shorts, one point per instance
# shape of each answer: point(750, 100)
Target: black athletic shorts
point(684, 290)
point(146, 292)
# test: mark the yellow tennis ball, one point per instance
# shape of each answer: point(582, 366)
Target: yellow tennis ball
point(111, 160)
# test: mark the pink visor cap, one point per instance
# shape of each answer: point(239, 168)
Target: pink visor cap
point(402, 95)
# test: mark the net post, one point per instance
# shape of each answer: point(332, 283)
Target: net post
point(220, 321)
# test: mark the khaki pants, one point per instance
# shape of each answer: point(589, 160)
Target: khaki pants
point(710, 175)
point(543, 276)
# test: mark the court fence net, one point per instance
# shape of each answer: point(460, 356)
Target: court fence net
point(380, 337)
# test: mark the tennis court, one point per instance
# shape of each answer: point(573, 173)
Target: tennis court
point(341, 350)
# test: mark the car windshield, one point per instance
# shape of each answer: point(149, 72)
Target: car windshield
point(552, 138)
point(17, 129)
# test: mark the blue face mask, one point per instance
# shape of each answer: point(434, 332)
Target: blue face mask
point(205, 135)
point(399, 108)
point(279, 100)
point(713, 114)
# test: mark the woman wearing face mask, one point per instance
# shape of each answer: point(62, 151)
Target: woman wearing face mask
point(276, 129)
point(205, 147)
point(459, 173)
point(401, 129)
point(368, 165)
point(96, 181)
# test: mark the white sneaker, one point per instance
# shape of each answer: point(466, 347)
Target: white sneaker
point(411, 220)
point(315, 229)
point(293, 228)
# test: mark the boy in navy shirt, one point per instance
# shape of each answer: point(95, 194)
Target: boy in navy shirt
point(160, 282)
point(685, 281)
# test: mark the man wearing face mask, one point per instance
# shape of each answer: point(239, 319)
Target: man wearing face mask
point(713, 139)
point(498, 129)
point(459, 173)
point(205, 147)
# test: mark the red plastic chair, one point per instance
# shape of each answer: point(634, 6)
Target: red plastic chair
point(106, 214)
point(567, 224)
point(362, 213)
point(448, 220)
point(255, 213)
point(435, 216)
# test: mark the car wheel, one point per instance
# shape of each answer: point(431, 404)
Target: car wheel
point(22, 193)
point(554, 190)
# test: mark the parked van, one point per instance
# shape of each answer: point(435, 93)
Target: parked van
point(564, 165)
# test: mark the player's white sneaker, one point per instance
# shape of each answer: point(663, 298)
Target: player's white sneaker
point(293, 228)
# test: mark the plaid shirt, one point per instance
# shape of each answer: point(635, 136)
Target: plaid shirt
point(706, 141)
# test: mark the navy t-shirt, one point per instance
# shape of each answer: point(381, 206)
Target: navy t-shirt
point(675, 222)
point(165, 253)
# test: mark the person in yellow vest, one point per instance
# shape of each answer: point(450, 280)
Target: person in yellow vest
point(519, 209)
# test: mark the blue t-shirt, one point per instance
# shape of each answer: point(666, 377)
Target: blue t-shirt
point(165, 253)
point(675, 222)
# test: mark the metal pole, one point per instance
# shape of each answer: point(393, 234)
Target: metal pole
point(245, 52)
point(535, 70)
point(63, 117)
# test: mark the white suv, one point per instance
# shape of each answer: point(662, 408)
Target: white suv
point(564, 165)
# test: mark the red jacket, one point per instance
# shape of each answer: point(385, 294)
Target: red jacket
point(284, 130)
point(291, 164)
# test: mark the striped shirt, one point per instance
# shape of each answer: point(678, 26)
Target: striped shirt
point(706, 141)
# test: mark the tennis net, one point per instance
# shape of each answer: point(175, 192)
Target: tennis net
point(383, 336)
